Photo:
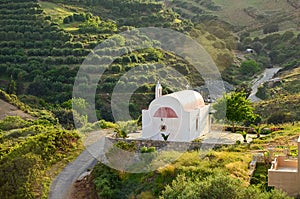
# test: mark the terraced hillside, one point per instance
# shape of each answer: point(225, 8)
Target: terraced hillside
point(250, 15)
point(35, 52)
point(43, 43)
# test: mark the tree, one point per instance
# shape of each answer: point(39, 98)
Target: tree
point(39, 87)
point(257, 47)
point(238, 108)
point(249, 67)
point(12, 87)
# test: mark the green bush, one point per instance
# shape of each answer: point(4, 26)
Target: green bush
point(145, 149)
point(279, 117)
point(270, 28)
point(249, 67)
point(106, 182)
point(18, 175)
point(131, 147)
point(148, 154)
point(32, 130)
point(215, 187)
point(182, 68)
point(13, 99)
point(22, 167)
point(101, 124)
point(123, 128)
point(13, 122)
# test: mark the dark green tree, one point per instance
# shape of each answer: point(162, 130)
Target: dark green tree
point(12, 87)
point(249, 67)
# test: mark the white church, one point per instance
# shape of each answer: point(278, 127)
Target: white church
point(182, 116)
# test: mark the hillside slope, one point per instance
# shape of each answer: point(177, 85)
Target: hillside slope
point(250, 15)
point(32, 150)
point(6, 109)
point(43, 44)
point(281, 95)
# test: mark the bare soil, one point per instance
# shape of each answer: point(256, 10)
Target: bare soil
point(84, 189)
point(6, 109)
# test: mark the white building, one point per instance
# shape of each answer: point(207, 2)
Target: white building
point(181, 115)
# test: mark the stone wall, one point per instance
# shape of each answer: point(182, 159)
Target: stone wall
point(167, 145)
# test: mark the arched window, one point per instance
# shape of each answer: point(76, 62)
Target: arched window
point(165, 112)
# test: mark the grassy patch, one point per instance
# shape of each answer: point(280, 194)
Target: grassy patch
point(59, 11)
point(285, 138)
point(55, 11)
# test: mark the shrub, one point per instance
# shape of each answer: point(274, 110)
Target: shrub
point(104, 124)
point(13, 122)
point(106, 182)
point(145, 195)
point(270, 28)
point(13, 99)
point(131, 147)
point(116, 68)
point(249, 67)
point(279, 117)
point(23, 165)
point(147, 154)
point(182, 68)
point(266, 131)
point(145, 149)
point(215, 186)
point(121, 155)
point(123, 128)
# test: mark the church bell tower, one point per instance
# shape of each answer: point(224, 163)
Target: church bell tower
point(158, 90)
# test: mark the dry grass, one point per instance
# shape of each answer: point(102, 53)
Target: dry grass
point(233, 10)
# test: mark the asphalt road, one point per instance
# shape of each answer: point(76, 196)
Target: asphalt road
point(265, 76)
point(61, 186)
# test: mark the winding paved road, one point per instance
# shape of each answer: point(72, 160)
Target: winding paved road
point(61, 186)
point(265, 76)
